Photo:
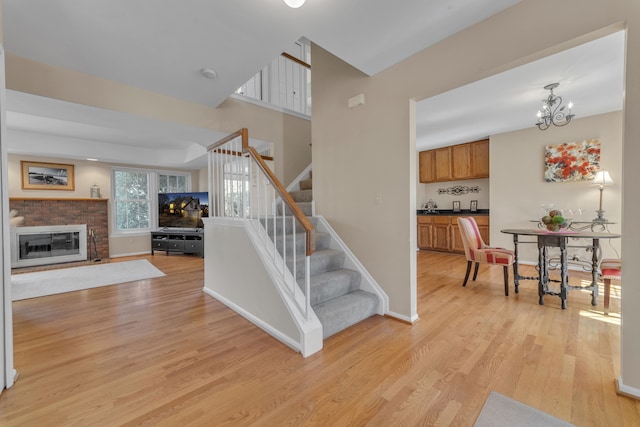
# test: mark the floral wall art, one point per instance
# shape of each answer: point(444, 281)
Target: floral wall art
point(572, 161)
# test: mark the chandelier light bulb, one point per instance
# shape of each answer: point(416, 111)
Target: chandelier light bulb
point(294, 3)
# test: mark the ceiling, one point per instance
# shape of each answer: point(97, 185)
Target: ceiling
point(590, 76)
point(162, 45)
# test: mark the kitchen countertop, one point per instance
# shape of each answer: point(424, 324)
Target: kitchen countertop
point(450, 212)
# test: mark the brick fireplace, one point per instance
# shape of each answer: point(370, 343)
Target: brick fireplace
point(50, 212)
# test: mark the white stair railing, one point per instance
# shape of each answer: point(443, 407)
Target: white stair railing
point(243, 188)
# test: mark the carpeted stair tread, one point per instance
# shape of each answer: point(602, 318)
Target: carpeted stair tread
point(306, 184)
point(340, 313)
point(322, 242)
point(336, 297)
point(333, 284)
point(302, 195)
point(306, 207)
point(289, 222)
point(322, 260)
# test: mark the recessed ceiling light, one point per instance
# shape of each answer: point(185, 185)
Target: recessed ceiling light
point(294, 3)
point(209, 73)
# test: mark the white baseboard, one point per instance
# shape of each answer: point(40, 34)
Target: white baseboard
point(625, 390)
point(285, 339)
point(402, 317)
point(130, 254)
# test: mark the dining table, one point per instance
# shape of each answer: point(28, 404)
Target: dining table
point(563, 239)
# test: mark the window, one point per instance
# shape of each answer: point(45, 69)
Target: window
point(135, 196)
point(236, 184)
point(132, 199)
point(173, 182)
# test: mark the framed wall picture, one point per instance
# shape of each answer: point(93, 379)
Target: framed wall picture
point(473, 207)
point(574, 161)
point(456, 206)
point(47, 176)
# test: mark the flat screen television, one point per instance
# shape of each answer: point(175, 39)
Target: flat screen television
point(182, 210)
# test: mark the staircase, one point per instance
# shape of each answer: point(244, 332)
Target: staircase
point(336, 297)
point(272, 260)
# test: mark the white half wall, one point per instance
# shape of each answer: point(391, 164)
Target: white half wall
point(235, 275)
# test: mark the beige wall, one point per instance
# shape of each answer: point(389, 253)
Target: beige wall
point(518, 187)
point(369, 151)
point(87, 173)
point(290, 135)
point(296, 157)
point(361, 179)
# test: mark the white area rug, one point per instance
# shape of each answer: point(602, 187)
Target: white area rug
point(50, 282)
point(501, 411)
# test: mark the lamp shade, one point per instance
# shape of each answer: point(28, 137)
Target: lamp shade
point(602, 178)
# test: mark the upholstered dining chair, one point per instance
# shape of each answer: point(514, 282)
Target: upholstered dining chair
point(478, 252)
point(610, 269)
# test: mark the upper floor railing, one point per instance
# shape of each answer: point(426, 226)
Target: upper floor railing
point(285, 83)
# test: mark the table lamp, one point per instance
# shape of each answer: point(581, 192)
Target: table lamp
point(601, 179)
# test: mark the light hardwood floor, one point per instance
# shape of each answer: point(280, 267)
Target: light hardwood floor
point(161, 352)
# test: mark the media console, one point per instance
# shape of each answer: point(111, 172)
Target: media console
point(187, 242)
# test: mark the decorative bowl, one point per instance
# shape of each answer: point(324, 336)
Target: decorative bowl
point(555, 222)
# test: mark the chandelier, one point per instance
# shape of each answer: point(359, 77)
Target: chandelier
point(553, 112)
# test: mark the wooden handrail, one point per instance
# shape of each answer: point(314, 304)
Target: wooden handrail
point(296, 60)
point(277, 186)
point(286, 198)
point(244, 133)
point(239, 154)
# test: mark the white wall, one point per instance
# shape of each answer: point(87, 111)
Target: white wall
point(235, 274)
point(518, 187)
point(8, 373)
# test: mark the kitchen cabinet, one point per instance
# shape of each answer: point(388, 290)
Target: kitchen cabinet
point(457, 162)
point(461, 161)
point(443, 164)
point(425, 225)
point(480, 159)
point(456, 244)
point(428, 166)
point(483, 227)
point(441, 232)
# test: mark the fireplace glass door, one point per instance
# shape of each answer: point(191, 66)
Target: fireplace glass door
point(47, 245)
